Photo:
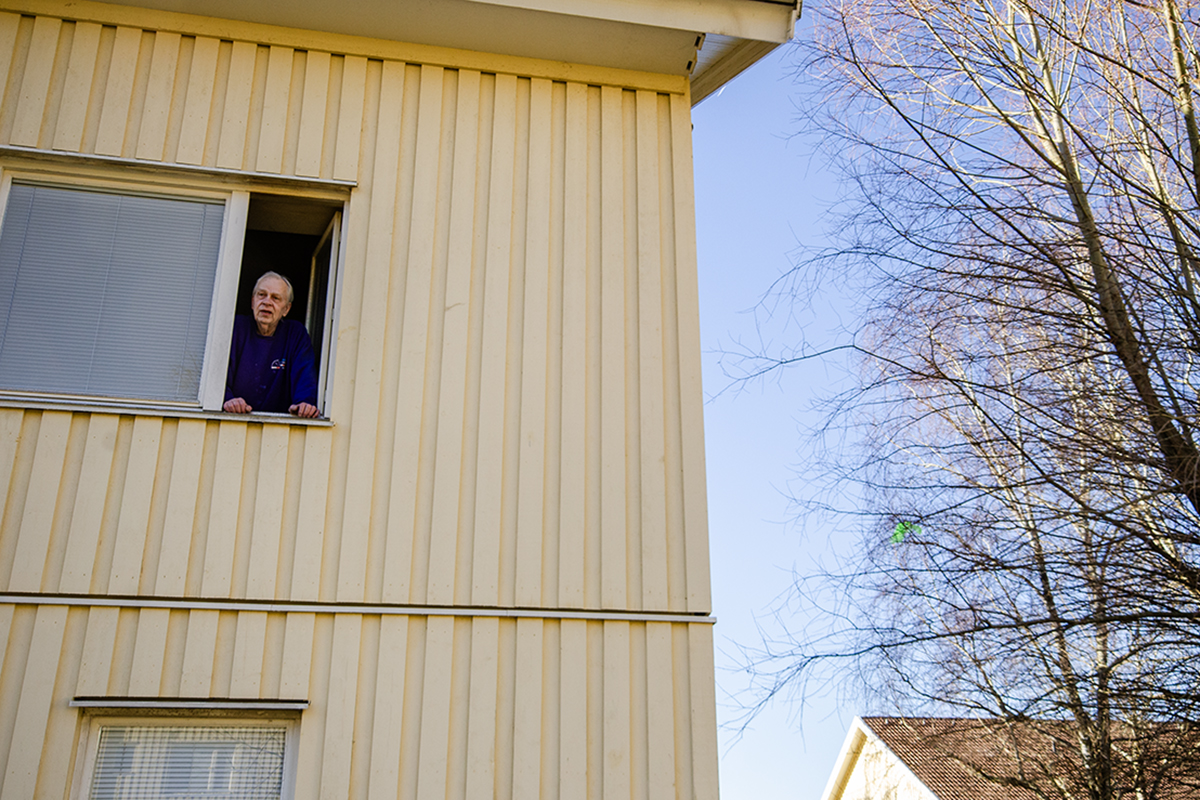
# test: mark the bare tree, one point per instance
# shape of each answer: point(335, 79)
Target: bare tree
point(1025, 224)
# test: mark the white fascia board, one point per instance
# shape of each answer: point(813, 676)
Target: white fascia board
point(760, 20)
point(852, 747)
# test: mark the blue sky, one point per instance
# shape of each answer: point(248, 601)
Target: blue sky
point(759, 195)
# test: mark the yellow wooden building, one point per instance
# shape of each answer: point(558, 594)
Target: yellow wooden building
point(484, 571)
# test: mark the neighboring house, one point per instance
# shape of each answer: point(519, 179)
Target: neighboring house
point(484, 571)
point(920, 758)
point(916, 758)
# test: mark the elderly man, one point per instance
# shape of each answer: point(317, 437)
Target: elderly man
point(271, 358)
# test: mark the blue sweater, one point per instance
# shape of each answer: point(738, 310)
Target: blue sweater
point(271, 373)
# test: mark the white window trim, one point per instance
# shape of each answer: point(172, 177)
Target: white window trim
point(225, 284)
point(164, 181)
point(186, 703)
point(98, 717)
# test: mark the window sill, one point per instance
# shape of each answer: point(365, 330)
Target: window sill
point(126, 407)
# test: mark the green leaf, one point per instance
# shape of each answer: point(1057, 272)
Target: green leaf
point(902, 529)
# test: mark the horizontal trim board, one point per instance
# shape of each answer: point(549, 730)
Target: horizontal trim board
point(223, 704)
point(347, 608)
point(347, 44)
point(126, 409)
point(241, 177)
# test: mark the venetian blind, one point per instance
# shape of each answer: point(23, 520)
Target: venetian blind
point(211, 762)
point(105, 294)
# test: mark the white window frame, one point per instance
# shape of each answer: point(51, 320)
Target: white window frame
point(95, 720)
point(165, 182)
point(225, 284)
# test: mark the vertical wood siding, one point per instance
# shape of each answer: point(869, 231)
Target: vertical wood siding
point(435, 707)
point(517, 417)
point(516, 393)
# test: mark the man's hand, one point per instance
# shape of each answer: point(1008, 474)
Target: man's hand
point(306, 410)
point(237, 406)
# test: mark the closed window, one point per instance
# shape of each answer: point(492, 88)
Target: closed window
point(128, 294)
point(106, 294)
point(209, 759)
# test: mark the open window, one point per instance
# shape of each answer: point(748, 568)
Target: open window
point(298, 238)
point(125, 292)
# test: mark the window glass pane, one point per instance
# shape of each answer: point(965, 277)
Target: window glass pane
point(189, 763)
point(105, 294)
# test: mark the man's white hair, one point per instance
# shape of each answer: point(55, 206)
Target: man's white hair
point(286, 282)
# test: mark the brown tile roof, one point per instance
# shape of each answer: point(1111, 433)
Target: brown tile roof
point(982, 759)
point(948, 755)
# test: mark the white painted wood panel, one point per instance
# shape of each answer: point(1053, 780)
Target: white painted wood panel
point(236, 116)
point(481, 759)
point(180, 519)
point(268, 512)
point(89, 501)
point(16, 632)
point(449, 546)
point(9, 28)
point(118, 92)
point(531, 476)
point(164, 61)
point(63, 721)
point(248, 655)
point(198, 653)
point(312, 114)
point(350, 121)
point(572, 516)
point(96, 662)
point(275, 110)
point(617, 710)
point(36, 697)
point(494, 359)
point(613, 500)
point(690, 413)
point(435, 707)
point(311, 519)
point(198, 101)
point(223, 511)
point(134, 517)
point(527, 708)
point(408, 540)
point(41, 502)
point(703, 712)
point(651, 411)
point(370, 328)
point(11, 421)
point(340, 706)
point(149, 652)
point(313, 724)
point(72, 112)
point(35, 86)
point(297, 656)
point(389, 708)
point(660, 712)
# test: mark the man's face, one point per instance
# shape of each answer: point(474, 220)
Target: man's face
point(269, 304)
